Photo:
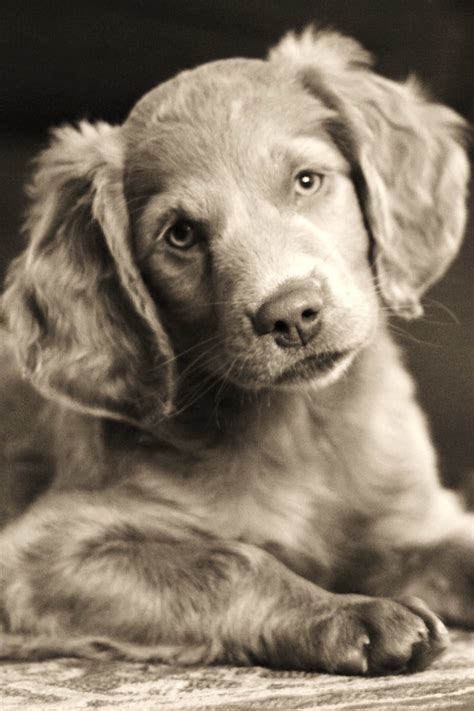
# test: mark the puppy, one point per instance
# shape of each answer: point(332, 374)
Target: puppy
point(213, 450)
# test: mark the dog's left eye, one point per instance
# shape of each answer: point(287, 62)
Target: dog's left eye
point(307, 182)
point(182, 235)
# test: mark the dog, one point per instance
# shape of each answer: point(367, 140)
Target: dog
point(212, 451)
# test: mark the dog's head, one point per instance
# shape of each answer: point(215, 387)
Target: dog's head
point(246, 221)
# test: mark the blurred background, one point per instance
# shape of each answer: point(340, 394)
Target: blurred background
point(62, 61)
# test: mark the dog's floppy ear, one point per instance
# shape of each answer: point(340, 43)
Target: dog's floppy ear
point(84, 326)
point(409, 151)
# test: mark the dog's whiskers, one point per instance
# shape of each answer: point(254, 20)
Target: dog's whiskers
point(190, 367)
point(399, 331)
point(429, 302)
point(179, 355)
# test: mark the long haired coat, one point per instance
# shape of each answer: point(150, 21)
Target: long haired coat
point(212, 449)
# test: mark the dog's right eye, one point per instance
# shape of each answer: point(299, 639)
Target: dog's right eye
point(182, 235)
point(308, 182)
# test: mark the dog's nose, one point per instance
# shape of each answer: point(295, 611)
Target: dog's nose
point(292, 315)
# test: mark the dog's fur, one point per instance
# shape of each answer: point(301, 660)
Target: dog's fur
point(181, 487)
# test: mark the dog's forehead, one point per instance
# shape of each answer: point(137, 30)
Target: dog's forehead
point(219, 113)
point(211, 88)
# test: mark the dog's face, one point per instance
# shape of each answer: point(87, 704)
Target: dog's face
point(249, 219)
point(250, 236)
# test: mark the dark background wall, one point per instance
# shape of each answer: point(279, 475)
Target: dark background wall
point(61, 61)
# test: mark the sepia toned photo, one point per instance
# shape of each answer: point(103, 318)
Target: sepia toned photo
point(236, 355)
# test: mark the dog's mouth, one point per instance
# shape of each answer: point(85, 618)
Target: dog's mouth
point(312, 366)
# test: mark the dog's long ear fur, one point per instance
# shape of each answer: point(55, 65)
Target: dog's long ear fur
point(84, 326)
point(409, 150)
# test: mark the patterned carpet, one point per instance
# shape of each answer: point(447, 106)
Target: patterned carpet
point(69, 684)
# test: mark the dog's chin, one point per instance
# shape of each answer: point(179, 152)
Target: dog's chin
point(321, 370)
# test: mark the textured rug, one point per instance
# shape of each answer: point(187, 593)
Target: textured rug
point(69, 684)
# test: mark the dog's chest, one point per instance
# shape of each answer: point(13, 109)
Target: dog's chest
point(277, 489)
point(276, 493)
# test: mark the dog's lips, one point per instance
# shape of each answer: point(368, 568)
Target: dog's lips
point(311, 366)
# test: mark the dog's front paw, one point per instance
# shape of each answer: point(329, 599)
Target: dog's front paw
point(380, 636)
point(446, 581)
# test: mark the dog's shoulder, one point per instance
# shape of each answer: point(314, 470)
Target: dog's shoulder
point(21, 403)
point(25, 437)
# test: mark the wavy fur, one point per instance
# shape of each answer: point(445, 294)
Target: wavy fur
point(182, 485)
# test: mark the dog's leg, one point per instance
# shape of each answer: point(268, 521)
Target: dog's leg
point(93, 575)
point(432, 558)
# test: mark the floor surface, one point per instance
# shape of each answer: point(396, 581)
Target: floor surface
point(70, 684)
